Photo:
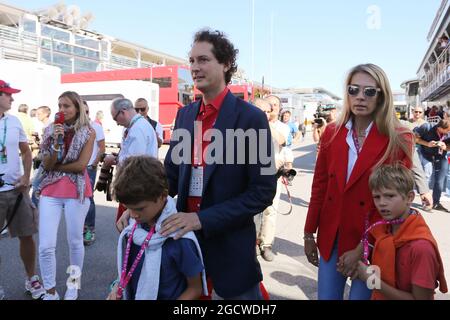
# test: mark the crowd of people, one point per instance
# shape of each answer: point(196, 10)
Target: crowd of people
point(189, 226)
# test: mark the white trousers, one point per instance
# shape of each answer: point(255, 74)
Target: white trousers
point(50, 210)
point(266, 234)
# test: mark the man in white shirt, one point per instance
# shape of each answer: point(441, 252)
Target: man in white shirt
point(97, 152)
point(42, 122)
point(43, 115)
point(139, 137)
point(280, 132)
point(141, 106)
point(16, 209)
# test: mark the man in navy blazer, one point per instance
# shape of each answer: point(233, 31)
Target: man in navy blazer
point(219, 196)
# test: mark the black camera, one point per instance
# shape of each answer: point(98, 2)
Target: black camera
point(320, 116)
point(318, 121)
point(289, 174)
point(105, 179)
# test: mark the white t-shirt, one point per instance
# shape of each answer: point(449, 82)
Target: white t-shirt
point(14, 135)
point(141, 140)
point(38, 126)
point(159, 130)
point(99, 136)
point(284, 130)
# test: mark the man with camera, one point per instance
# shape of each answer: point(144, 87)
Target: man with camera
point(434, 143)
point(280, 132)
point(323, 116)
point(17, 210)
point(43, 121)
point(139, 138)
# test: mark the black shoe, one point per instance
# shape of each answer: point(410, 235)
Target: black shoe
point(440, 207)
point(267, 254)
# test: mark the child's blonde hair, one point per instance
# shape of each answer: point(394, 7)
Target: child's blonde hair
point(392, 176)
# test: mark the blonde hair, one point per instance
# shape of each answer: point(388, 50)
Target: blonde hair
point(384, 114)
point(394, 177)
point(82, 119)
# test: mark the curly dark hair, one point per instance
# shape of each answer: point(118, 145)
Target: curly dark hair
point(140, 178)
point(223, 49)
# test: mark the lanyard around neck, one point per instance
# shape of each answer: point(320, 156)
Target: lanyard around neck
point(5, 128)
point(125, 277)
point(365, 240)
point(131, 124)
point(356, 141)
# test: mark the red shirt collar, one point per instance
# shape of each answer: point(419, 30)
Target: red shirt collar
point(217, 102)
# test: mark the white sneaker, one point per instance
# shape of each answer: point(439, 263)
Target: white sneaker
point(71, 294)
point(34, 287)
point(49, 296)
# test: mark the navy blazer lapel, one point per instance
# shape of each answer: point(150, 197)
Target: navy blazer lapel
point(225, 120)
point(189, 118)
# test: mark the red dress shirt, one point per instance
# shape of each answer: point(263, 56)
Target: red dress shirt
point(207, 115)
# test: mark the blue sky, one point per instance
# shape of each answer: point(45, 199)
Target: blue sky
point(314, 42)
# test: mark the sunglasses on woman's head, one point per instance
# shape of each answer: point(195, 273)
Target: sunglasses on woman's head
point(368, 92)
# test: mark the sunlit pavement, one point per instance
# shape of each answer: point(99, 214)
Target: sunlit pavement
point(289, 276)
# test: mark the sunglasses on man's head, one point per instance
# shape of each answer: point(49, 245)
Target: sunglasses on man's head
point(368, 92)
point(139, 109)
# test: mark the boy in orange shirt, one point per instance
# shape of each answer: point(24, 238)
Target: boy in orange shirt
point(405, 250)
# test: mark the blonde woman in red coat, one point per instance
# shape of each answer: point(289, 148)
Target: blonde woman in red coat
point(366, 135)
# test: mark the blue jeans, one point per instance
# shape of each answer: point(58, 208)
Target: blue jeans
point(332, 283)
point(438, 169)
point(35, 184)
point(447, 180)
point(90, 218)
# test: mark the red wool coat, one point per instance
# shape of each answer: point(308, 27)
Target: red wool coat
point(337, 207)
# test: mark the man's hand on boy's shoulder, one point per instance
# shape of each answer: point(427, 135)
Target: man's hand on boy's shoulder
point(182, 221)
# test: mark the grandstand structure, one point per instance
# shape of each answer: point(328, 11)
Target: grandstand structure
point(60, 36)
